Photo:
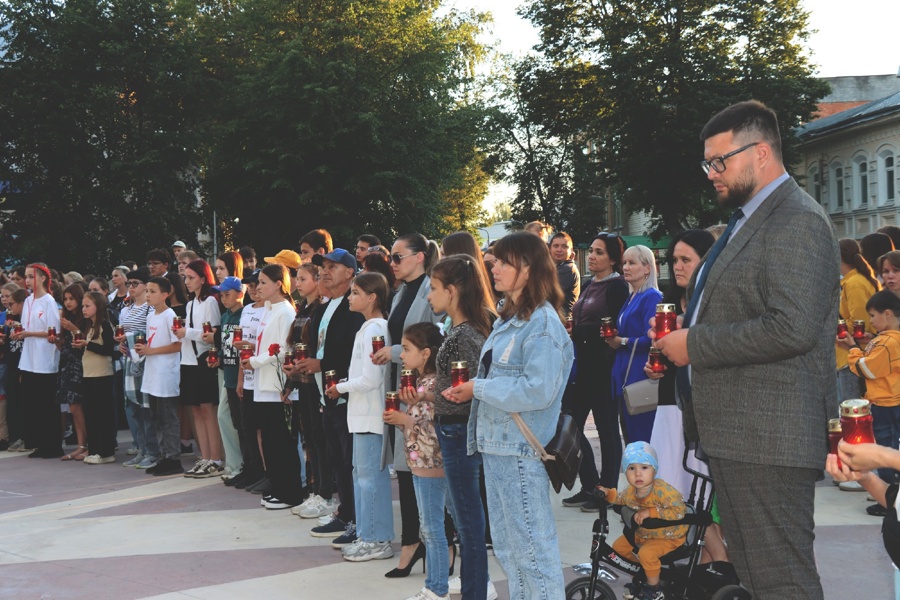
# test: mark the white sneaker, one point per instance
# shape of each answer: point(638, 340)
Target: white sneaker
point(313, 500)
point(851, 486)
point(456, 588)
point(426, 594)
point(326, 519)
point(455, 585)
point(320, 508)
point(198, 466)
point(96, 459)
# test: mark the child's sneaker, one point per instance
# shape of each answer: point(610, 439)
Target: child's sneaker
point(196, 468)
point(134, 461)
point(651, 592)
point(148, 462)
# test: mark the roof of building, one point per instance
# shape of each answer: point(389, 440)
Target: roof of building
point(849, 118)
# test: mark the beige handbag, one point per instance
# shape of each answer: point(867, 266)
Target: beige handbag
point(640, 396)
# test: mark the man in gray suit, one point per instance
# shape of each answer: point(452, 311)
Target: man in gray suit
point(758, 347)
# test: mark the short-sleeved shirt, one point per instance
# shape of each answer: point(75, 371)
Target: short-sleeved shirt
point(250, 319)
point(162, 374)
point(39, 355)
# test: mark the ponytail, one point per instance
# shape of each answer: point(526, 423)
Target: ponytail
point(852, 256)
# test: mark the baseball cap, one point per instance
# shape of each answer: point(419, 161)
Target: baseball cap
point(229, 284)
point(179, 244)
point(252, 277)
point(288, 258)
point(338, 255)
point(142, 274)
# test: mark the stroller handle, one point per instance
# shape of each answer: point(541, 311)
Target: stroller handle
point(702, 519)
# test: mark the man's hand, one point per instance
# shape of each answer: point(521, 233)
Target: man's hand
point(674, 347)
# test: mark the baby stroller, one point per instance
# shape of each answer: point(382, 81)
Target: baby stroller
point(682, 577)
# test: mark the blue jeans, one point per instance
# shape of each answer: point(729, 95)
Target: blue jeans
point(525, 544)
point(464, 499)
point(371, 490)
point(886, 427)
point(144, 431)
point(431, 496)
point(848, 386)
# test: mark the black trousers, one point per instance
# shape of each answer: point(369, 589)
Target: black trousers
point(339, 444)
point(280, 448)
point(311, 422)
point(15, 407)
point(42, 425)
point(99, 414)
point(247, 431)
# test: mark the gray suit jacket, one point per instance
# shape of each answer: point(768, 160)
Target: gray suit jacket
point(762, 348)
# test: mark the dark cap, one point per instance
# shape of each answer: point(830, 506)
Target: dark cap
point(338, 255)
point(252, 277)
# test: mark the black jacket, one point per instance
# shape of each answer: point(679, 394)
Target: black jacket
point(339, 337)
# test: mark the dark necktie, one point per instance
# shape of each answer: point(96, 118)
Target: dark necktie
point(682, 379)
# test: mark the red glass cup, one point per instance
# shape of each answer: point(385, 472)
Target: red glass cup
point(140, 338)
point(407, 379)
point(856, 422)
point(301, 352)
point(289, 356)
point(569, 323)
point(51, 335)
point(77, 336)
point(834, 437)
point(330, 378)
point(842, 330)
point(665, 319)
point(120, 331)
point(18, 328)
point(607, 329)
point(655, 361)
point(859, 330)
point(207, 327)
point(177, 323)
point(459, 372)
point(237, 335)
point(212, 359)
point(377, 343)
point(246, 353)
point(391, 401)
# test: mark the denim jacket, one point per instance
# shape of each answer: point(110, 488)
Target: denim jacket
point(531, 361)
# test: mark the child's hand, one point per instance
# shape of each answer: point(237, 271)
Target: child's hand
point(123, 348)
point(866, 457)
point(79, 343)
point(640, 515)
point(602, 490)
point(460, 394)
point(410, 395)
point(245, 365)
point(287, 368)
point(142, 349)
point(395, 417)
point(208, 338)
point(67, 324)
point(331, 392)
point(179, 333)
point(383, 356)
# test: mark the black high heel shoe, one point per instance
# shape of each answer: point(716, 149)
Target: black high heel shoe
point(418, 555)
point(452, 560)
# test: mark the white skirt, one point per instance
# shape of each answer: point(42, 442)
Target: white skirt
point(668, 441)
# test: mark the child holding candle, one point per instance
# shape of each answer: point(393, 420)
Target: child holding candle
point(69, 389)
point(420, 344)
point(651, 497)
point(98, 347)
point(879, 364)
point(365, 385)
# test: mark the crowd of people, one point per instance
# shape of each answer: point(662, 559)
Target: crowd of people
point(314, 379)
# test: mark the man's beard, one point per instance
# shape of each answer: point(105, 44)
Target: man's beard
point(738, 193)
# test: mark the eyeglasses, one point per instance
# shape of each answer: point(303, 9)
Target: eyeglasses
point(396, 258)
point(717, 164)
point(134, 283)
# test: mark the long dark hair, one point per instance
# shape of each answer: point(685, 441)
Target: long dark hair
point(234, 263)
point(522, 249)
point(375, 283)
point(475, 299)
point(615, 248)
point(698, 239)
point(852, 256)
point(376, 262)
point(179, 292)
point(874, 246)
point(279, 273)
point(77, 318)
point(422, 336)
point(463, 242)
point(101, 317)
point(202, 268)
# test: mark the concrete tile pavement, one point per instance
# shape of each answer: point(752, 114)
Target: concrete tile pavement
point(75, 531)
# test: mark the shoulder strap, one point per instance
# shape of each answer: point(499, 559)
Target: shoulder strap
point(530, 437)
point(628, 370)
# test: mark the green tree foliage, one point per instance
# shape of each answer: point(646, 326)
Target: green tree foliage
point(641, 77)
point(354, 116)
point(100, 100)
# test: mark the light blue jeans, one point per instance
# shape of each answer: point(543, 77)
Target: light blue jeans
point(522, 526)
point(431, 496)
point(464, 499)
point(371, 490)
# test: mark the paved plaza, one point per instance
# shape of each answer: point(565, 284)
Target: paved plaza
point(96, 532)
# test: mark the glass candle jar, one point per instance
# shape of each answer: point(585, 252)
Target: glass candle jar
point(140, 337)
point(301, 351)
point(655, 361)
point(665, 319)
point(842, 330)
point(834, 436)
point(246, 353)
point(391, 401)
point(607, 329)
point(207, 327)
point(51, 334)
point(177, 323)
point(212, 359)
point(856, 422)
point(77, 336)
point(237, 334)
point(377, 343)
point(569, 323)
point(18, 328)
point(859, 330)
point(407, 379)
point(459, 372)
point(120, 331)
point(289, 356)
point(330, 378)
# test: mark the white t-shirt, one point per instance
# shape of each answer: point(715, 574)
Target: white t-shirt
point(39, 355)
point(162, 374)
point(250, 318)
point(197, 314)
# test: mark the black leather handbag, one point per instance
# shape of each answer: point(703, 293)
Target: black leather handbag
point(562, 455)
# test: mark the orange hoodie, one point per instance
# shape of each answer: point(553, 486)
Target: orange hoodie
point(879, 364)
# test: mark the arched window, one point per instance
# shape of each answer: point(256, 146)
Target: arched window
point(837, 187)
point(860, 181)
point(814, 183)
point(886, 173)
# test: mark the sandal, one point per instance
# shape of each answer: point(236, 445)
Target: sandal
point(78, 454)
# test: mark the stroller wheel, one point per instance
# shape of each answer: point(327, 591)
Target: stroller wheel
point(731, 592)
point(580, 589)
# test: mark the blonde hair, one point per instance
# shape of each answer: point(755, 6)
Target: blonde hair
point(646, 258)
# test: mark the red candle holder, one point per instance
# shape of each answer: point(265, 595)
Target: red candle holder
point(607, 329)
point(407, 379)
point(207, 327)
point(301, 352)
point(859, 330)
point(246, 353)
point(665, 320)
point(237, 335)
point(842, 330)
point(18, 328)
point(391, 401)
point(655, 361)
point(51, 335)
point(140, 338)
point(834, 437)
point(569, 323)
point(120, 331)
point(289, 356)
point(330, 378)
point(77, 336)
point(212, 359)
point(177, 323)
point(377, 343)
point(459, 372)
point(856, 422)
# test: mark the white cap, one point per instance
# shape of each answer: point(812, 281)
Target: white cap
point(179, 244)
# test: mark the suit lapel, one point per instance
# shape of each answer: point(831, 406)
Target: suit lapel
point(741, 238)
